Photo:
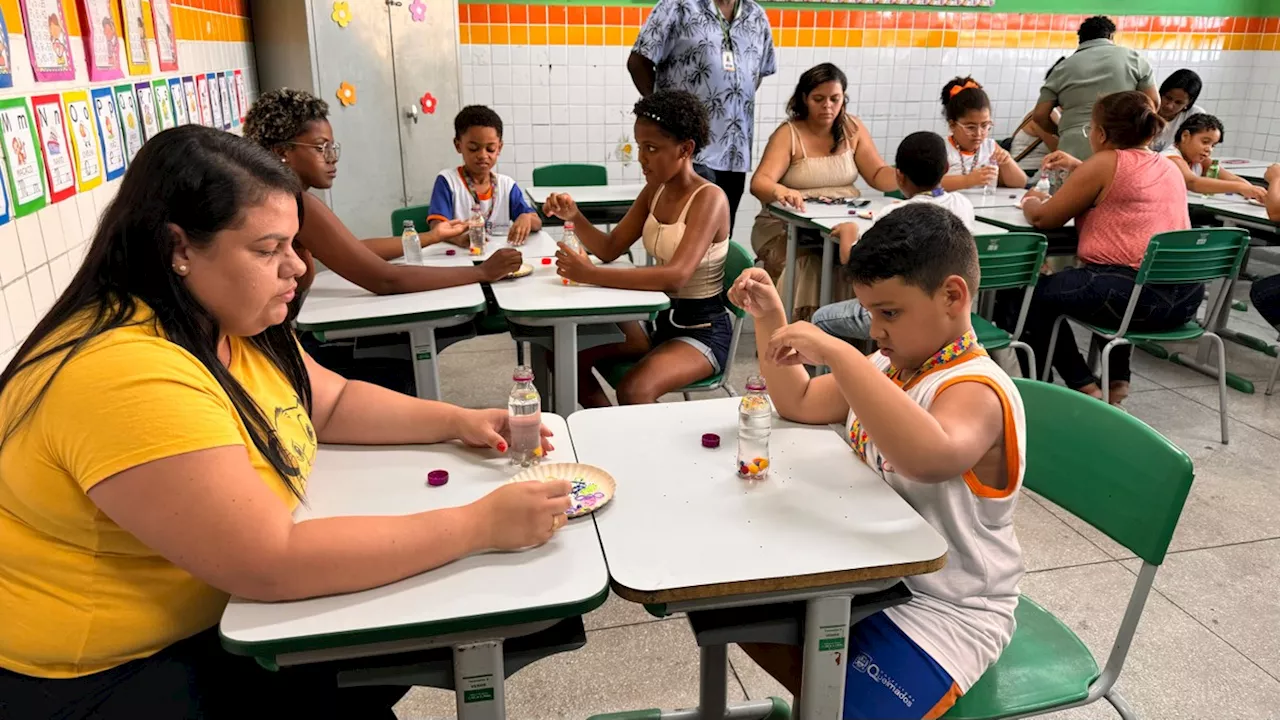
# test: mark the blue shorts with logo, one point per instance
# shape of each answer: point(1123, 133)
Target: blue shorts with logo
point(889, 677)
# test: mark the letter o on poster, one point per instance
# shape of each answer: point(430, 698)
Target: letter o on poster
point(84, 139)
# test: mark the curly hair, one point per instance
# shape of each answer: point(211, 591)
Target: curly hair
point(679, 114)
point(278, 116)
point(1202, 122)
point(961, 95)
point(476, 116)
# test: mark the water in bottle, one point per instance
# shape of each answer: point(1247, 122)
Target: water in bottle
point(412, 245)
point(990, 187)
point(524, 408)
point(1042, 185)
point(755, 420)
point(476, 233)
point(571, 241)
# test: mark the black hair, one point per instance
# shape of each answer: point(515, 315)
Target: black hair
point(798, 107)
point(679, 114)
point(922, 157)
point(1128, 118)
point(280, 115)
point(921, 243)
point(200, 180)
point(1185, 80)
point(1201, 122)
point(476, 116)
point(1098, 27)
point(960, 96)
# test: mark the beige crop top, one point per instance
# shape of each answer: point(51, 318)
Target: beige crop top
point(661, 241)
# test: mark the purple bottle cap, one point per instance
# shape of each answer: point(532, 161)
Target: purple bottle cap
point(710, 440)
point(451, 252)
point(436, 478)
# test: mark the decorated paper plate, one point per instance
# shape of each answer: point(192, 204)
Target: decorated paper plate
point(525, 269)
point(592, 487)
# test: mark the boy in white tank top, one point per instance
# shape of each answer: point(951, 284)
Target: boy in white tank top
point(943, 425)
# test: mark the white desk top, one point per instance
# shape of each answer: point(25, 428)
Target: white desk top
point(543, 293)
point(1011, 218)
point(335, 302)
point(1240, 208)
point(828, 224)
point(474, 592)
point(538, 245)
point(621, 194)
point(999, 197)
point(1236, 164)
point(683, 519)
point(814, 210)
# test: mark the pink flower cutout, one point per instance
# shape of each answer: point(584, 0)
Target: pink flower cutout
point(428, 103)
point(418, 10)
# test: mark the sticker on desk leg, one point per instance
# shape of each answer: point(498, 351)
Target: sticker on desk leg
point(591, 487)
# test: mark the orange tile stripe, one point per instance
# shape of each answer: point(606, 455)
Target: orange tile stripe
point(503, 24)
point(218, 20)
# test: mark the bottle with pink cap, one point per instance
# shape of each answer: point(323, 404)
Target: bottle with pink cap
point(524, 408)
point(755, 421)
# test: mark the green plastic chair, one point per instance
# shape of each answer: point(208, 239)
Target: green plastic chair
point(1120, 476)
point(416, 213)
point(1184, 256)
point(738, 261)
point(570, 175)
point(1006, 262)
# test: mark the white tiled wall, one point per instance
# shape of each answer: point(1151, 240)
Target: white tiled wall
point(39, 253)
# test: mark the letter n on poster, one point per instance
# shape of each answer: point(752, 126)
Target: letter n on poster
point(22, 156)
point(45, 26)
point(110, 135)
point(100, 27)
point(166, 40)
point(59, 166)
point(84, 139)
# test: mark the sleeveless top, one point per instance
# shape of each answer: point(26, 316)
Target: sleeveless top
point(1147, 196)
point(962, 615)
point(828, 175)
point(662, 239)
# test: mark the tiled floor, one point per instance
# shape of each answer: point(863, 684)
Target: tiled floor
point(1208, 647)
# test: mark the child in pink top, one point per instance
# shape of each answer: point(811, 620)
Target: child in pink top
point(1120, 197)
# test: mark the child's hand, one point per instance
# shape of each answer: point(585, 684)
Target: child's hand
point(1058, 160)
point(754, 292)
point(847, 233)
point(572, 265)
point(520, 230)
point(501, 264)
point(1033, 194)
point(491, 429)
point(1000, 156)
point(447, 230)
point(984, 175)
point(1253, 192)
point(522, 515)
point(787, 197)
point(560, 205)
point(1272, 175)
point(800, 343)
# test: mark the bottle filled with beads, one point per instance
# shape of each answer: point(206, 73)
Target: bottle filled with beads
point(475, 232)
point(755, 421)
point(524, 408)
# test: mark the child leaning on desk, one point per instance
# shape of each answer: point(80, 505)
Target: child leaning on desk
point(943, 425)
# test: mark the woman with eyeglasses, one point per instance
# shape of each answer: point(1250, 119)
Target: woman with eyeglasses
point(976, 159)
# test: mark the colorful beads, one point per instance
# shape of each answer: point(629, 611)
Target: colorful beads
point(756, 467)
point(477, 251)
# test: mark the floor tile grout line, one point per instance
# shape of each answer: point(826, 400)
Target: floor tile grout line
point(1216, 547)
point(636, 624)
point(734, 671)
point(1077, 532)
point(1072, 567)
point(1247, 424)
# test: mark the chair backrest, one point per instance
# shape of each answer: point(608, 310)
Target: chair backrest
point(570, 175)
point(1193, 256)
point(1010, 261)
point(1106, 467)
point(737, 262)
point(416, 213)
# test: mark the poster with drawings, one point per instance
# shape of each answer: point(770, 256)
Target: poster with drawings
point(164, 106)
point(146, 110)
point(215, 99)
point(135, 36)
point(101, 40)
point(243, 94)
point(229, 116)
point(109, 133)
point(22, 156)
point(6, 65)
point(206, 108)
point(193, 101)
point(166, 39)
point(84, 139)
point(45, 27)
point(130, 125)
point(59, 167)
point(179, 97)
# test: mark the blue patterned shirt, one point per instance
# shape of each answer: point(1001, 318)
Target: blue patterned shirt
point(685, 41)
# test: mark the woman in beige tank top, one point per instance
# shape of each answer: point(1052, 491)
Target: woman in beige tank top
point(818, 152)
point(683, 221)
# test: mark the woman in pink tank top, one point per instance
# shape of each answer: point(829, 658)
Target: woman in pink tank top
point(1120, 197)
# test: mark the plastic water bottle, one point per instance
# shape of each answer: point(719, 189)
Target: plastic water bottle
point(990, 187)
point(524, 408)
point(1042, 185)
point(412, 245)
point(755, 420)
point(571, 241)
point(476, 233)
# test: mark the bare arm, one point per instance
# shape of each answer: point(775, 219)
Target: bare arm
point(765, 181)
point(606, 246)
point(1049, 139)
point(1042, 116)
point(871, 167)
point(1226, 182)
point(642, 73)
point(1010, 174)
point(1273, 192)
point(954, 182)
point(1153, 95)
point(1083, 188)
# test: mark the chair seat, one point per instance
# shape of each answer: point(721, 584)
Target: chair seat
point(1044, 666)
point(989, 336)
point(614, 372)
point(1186, 331)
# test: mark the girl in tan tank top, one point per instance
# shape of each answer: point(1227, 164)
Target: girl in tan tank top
point(683, 221)
point(819, 152)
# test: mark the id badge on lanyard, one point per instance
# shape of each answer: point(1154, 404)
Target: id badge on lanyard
point(729, 65)
point(726, 55)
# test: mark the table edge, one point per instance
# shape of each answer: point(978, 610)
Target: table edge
point(587, 312)
point(382, 321)
point(1234, 215)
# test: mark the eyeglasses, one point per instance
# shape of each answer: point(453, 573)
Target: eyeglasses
point(331, 151)
point(984, 128)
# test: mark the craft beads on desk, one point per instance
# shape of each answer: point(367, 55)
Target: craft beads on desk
point(477, 250)
point(755, 421)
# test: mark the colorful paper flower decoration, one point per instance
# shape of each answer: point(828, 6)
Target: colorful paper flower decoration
point(347, 94)
point(418, 10)
point(341, 14)
point(428, 102)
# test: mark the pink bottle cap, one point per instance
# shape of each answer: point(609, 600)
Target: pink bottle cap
point(436, 478)
point(710, 440)
point(546, 261)
point(450, 252)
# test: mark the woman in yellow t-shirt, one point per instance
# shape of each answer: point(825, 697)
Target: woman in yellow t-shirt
point(158, 427)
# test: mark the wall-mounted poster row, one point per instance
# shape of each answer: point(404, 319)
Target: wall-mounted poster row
point(58, 144)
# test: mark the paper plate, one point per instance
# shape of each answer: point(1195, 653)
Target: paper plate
point(592, 487)
point(525, 269)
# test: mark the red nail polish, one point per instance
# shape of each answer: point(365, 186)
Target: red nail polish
point(502, 447)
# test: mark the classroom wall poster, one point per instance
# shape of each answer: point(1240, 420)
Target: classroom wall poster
point(215, 99)
point(22, 156)
point(84, 139)
point(193, 101)
point(59, 166)
point(164, 106)
point(146, 110)
point(130, 125)
point(135, 36)
point(101, 40)
point(6, 66)
point(206, 108)
point(109, 133)
point(179, 97)
point(166, 40)
point(243, 94)
point(45, 27)
point(228, 111)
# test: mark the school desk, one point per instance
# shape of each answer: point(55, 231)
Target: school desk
point(538, 245)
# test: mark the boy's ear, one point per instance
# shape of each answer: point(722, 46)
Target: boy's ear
point(955, 292)
point(901, 176)
point(457, 145)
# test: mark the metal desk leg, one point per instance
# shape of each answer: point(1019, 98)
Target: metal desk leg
point(789, 272)
point(478, 677)
point(826, 652)
point(1217, 325)
point(426, 373)
point(565, 339)
point(828, 262)
point(713, 689)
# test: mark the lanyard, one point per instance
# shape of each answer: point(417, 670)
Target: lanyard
point(725, 25)
point(475, 196)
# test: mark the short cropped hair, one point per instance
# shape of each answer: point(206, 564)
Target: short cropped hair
point(922, 157)
point(476, 116)
point(922, 243)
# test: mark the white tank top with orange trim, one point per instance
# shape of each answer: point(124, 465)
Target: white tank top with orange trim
point(962, 615)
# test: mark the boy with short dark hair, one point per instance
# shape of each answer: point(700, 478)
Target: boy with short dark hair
point(477, 136)
point(943, 425)
point(921, 163)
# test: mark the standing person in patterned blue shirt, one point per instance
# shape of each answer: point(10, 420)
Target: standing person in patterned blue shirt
point(719, 50)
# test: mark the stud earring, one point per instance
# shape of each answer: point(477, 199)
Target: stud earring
point(180, 269)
